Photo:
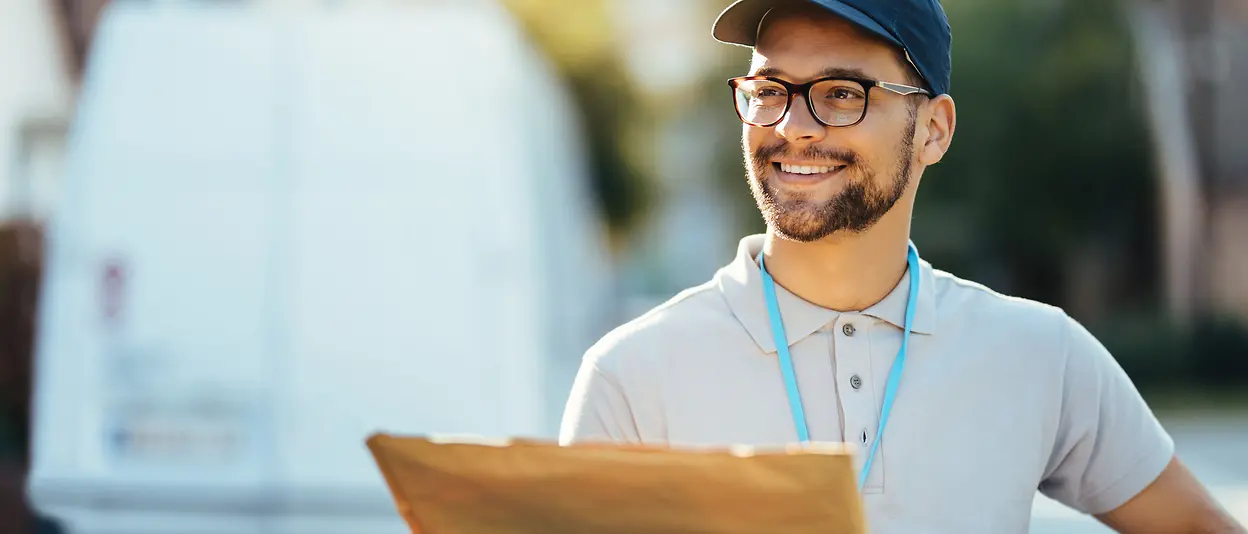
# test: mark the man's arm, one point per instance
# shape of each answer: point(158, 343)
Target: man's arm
point(1175, 503)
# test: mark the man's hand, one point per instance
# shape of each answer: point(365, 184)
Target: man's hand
point(1176, 503)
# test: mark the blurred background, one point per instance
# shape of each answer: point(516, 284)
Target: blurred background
point(241, 235)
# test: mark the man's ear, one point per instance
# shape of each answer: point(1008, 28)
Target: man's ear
point(942, 119)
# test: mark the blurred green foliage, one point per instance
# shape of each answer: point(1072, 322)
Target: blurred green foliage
point(577, 36)
point(1051, 154)
point(1052, 159)
point(1162, 357)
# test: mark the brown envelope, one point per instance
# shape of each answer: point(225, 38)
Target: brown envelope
point(528, 487)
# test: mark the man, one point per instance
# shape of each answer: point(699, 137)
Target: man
point(829, 327)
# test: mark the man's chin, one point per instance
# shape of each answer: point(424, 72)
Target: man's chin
point(804, 236)
point(802, 228)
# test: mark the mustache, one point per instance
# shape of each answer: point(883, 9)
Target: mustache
point(764, 154)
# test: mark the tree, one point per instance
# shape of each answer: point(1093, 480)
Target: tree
point(576, 35)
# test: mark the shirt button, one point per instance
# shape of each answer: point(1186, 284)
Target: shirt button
point(848, 329)
point(855, 382)
point(863, 437)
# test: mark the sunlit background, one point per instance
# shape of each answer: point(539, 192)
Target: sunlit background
point(241, 235)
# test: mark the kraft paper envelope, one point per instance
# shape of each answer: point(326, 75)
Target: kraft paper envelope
point(528, 487)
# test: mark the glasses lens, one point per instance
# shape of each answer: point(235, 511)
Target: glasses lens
point(761, 102)
point(839, 102)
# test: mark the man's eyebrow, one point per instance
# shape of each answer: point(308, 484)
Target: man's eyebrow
point(830, 72)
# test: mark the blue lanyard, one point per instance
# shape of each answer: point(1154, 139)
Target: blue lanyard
point(790, 378)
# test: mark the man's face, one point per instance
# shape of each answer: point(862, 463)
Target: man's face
point(859, 172)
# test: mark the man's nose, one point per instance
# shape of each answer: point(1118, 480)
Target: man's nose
point(798, 125)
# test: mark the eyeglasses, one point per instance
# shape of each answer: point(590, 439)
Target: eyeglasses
point(835, 101)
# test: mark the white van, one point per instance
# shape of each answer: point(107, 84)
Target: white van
point(282, 231)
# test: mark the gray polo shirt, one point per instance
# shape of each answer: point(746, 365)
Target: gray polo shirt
point(1000, 396)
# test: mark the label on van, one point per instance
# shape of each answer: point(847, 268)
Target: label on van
point(158, 415)
point(181, 432)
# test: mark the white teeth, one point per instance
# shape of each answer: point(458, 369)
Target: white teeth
point(804, 169)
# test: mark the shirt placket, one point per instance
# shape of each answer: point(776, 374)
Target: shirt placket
point(856, 386)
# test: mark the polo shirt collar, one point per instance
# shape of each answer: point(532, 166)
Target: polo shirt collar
point(741, 283)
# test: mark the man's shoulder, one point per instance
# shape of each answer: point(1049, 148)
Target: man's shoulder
point(677, 323)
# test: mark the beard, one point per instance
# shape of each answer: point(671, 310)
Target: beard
point(857, 207)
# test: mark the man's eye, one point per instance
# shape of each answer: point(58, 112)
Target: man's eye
point(844, 94)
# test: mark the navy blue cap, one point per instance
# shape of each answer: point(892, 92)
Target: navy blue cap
point(919, 27)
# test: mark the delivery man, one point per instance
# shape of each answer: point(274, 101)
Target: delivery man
point(962, 402)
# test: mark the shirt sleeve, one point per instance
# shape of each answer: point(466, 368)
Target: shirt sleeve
point(1109, 446)
point(597, 410)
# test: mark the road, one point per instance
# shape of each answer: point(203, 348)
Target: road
point(1213, 445)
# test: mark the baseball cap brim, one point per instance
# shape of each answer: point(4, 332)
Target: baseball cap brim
point(739, 23)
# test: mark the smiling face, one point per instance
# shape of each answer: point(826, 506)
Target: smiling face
point(809, 180)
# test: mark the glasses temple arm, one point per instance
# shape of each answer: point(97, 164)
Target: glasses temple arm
point(900, 89)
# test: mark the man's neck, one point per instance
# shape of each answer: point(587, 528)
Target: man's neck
point(841, 272)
